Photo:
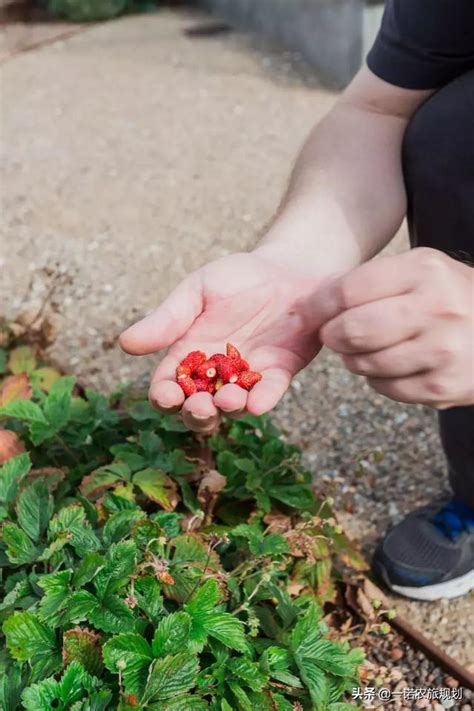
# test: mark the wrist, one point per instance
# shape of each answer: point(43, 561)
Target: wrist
point(316, 250)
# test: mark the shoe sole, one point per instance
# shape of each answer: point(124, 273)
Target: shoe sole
point(457, 587)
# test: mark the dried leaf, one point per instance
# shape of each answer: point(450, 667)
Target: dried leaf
point(10, 445)
point(277, 521)
point(209, 487)
point(46, 377)
point(15, 387)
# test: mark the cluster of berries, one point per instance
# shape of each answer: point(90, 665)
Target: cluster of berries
point(198, 373)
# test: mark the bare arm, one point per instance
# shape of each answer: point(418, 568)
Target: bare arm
point(346, 197)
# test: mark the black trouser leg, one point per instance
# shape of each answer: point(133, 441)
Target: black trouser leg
point(438, 165)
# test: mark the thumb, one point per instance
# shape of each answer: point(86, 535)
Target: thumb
point(168, 322)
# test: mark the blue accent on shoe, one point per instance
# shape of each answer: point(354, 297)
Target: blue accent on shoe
point(454, 519)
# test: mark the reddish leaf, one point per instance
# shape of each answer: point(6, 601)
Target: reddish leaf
point(15, 387)
point(10, 445)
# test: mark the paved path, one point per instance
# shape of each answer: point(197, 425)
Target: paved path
point(133, 154)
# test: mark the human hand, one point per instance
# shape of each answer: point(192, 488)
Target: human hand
point(406, 323)
point(247, 299)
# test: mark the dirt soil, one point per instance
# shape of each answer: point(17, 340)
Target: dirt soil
point(132, 154)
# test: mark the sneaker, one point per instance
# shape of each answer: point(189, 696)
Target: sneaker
point(430, 554)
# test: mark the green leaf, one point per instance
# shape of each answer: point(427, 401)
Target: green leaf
point(222, 626)
point(296, 496)
point(56, 588)
point(248, 672)
point(243, 700)
point(149, 598)
point(88, 568)
point(171, 676)
point(34, 509)
point(158, 487)
point(130, 654)
point(57, 406)
point(172, 634)
point(111, 614)
point(11, 685)
point(183, 703)
point(63, 694)
point(20, 549)
point(120, 525)
point(119, 566)
point(28, 638)
point(24, 410)
point(72, 521)
point(205, 598)
point(11, 474)
point(80, 605)
point(315, 680)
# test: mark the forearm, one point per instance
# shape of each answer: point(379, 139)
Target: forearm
point(346, 197)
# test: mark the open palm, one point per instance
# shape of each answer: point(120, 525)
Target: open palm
point(255, 304)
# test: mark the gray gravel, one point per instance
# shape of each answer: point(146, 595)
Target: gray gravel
point(131, 155)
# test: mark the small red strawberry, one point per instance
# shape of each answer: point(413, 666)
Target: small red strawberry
point(193, 360)
point(201, 385)
point(232, 351)
point(227, 370)
point(207, 370)
point(188, 385)
point(183, 371)
point(248, 379)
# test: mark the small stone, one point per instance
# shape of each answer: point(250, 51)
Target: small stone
point(466, 707)
point(451, 682)
point(422, 703)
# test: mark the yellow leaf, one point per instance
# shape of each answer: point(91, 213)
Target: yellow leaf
point(22, 360)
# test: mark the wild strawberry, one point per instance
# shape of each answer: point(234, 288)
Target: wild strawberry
point(211, 386)
point(132, 700)
point(193, 360)
point(226, 370)
point(241, 364)
point(206, 370)
point(231, 351)
point(167, 579)
point(201, 385)
point(188, 386)
point(183, 371)
point(248, 379)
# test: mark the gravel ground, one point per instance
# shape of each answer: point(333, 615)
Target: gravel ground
point(131, 155)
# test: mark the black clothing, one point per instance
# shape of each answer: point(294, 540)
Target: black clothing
point(424, 44)
point(438, 165)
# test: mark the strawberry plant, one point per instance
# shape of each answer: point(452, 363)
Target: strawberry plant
point(144, 568)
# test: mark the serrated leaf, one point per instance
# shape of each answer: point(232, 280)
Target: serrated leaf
point(171, 676)
point(119, 525)
point(28, 638)
point(72, 521)
point(11, 686)
point(248, 672)
point(57, 406)
point(242, 698)
point(88, 568)
point(119, 566)
point(20, 548)
point(103, 478)
point(83, 645)
point(22, 360)
point(56, 591)
point(61, 694)
point(296, 496)
point(205, 598)
point(111, 614)
point(149, 598)
point(15, 388)
point(131, 655)
point(11, 474)
point(80, 605)
point(315, 680)
point(183, 703)
point(172, 634)
point(24, 410)
point(34, 509)
point(158, 487)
